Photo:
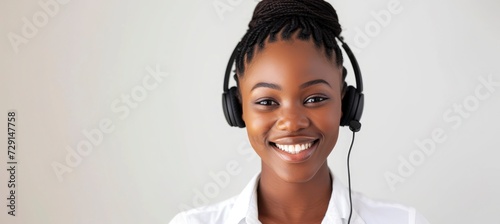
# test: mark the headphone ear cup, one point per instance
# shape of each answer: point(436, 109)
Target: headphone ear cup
point(349, 106)
point(232, 108)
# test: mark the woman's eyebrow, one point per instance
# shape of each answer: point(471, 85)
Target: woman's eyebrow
point(267, 85)
point(277, 87)
point(314, 82)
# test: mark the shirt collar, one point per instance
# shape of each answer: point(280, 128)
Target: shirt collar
point(339, 206)
point(245, 207)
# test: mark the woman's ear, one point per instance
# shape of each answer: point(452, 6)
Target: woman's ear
point(344, 90)
point(342, 94)
point(238, 95)
point(235, 76)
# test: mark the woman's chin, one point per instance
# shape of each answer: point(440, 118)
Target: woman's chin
point(296, 175)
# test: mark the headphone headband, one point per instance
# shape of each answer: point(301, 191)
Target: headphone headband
point(229, 66)
point(354, 63)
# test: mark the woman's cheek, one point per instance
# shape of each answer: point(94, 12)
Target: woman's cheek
point(258, 125)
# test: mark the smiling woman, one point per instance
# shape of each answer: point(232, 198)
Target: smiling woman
point(300, 105)
point(292, 99)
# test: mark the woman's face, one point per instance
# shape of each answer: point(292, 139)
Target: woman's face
point(291, 100)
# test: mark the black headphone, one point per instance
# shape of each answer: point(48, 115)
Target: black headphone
point(352, 103)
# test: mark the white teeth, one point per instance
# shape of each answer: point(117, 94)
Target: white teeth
point(294, 149)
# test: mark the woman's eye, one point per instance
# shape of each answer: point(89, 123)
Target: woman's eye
point(267, 102)
point(315, 99)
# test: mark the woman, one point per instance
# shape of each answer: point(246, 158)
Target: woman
point(289, 95)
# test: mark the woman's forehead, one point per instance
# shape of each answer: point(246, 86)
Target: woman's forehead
point(295, 56)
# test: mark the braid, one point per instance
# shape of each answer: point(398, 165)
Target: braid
point(316, 18)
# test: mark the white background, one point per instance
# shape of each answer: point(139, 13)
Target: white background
point(66, 77)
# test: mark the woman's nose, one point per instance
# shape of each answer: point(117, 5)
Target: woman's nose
point(292, 119)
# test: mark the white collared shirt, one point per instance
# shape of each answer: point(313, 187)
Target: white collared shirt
point(242, 209)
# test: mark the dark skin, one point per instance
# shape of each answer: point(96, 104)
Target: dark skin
point(291, 95)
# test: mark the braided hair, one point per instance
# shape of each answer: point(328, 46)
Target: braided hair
point(316, 18)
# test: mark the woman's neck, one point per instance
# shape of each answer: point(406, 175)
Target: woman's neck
point(280, 201)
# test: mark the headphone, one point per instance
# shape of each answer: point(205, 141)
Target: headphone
point(352, 103)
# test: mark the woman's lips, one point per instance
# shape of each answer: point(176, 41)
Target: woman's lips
point(296, 148)
point(295, 153)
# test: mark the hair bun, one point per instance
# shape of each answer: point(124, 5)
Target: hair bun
point(319, 10)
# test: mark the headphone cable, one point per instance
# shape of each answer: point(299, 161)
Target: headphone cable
point(349, 177)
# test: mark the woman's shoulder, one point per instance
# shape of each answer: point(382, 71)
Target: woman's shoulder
point(230, 210)
point(380, 211)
